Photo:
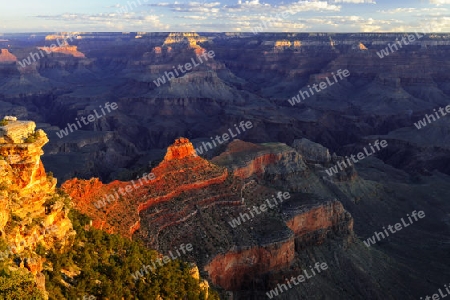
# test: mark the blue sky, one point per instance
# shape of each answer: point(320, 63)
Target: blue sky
point(225, 15)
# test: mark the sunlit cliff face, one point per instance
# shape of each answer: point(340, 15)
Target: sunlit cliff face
point(29, 205)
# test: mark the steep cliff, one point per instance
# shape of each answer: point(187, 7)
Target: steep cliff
point(31, 213)
point(311, 225)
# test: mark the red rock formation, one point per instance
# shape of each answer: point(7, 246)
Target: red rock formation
point(65, 49)
point(180, 149)
point(230, 269)
point(6, 56)
point(181, 171)
point(310, 226)
point(247, 159)
point(158, 50)
point(173, 197)
point(257, 165)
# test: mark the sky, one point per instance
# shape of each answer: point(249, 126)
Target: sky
point(225, 16)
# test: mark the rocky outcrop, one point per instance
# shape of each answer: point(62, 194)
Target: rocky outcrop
point(234, 270)
point(21, 148)
point(246, 159)
point(311, 225)
point(180, 149)
point(15, 132)
point(64, 49)
point(62, 36)
point(181, 172)
point(6, 56)
point(188, 38)
point(27, 194)
point(312, 152)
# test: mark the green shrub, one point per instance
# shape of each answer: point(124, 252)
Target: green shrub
point(18, 285)
point(3, 122)
point(111, 259)
point(33, 137)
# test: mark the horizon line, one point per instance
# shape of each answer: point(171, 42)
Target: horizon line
point(250, 32)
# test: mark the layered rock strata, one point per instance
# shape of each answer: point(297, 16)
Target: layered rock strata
point(311, 225)
point(31, 213)
point(178, 176)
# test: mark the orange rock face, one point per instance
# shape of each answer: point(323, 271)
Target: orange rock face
point(5, 56)
point(247, 159)
point(180, 149)
point(27, 194)
point(65, 49)
point(158, 50)
point(322, 216)
point(181, 171)
point(310, 226)
point(230, 270)
point(22, 156)
point(257, 165)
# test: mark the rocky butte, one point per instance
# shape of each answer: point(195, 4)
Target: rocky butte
point(6, 56)
point(191, 199)
point(180, 172)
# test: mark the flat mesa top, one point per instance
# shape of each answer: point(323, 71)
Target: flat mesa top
point(16, 131)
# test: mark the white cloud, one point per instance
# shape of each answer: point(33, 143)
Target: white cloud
point(438, 24)
point(413, 10)
point(111, 21)
point(194, 17)
point(201, 7)
point(302, 6)
point(440, 2)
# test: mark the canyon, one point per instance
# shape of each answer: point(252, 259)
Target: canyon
point(192, 199)
point(289, 148)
